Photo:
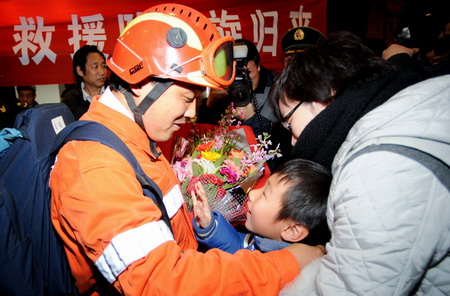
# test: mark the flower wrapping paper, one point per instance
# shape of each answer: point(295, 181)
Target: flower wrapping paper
point(226, 165)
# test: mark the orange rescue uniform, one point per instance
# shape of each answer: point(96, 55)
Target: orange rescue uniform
point(107, 224)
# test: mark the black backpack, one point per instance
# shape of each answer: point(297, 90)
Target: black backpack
point(32, 258)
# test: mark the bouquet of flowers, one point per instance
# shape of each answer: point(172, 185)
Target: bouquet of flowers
point(224, 163)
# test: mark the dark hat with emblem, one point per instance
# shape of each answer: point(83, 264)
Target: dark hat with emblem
point(299, 38)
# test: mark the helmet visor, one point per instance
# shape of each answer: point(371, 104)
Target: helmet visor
point(219, 61)
point(223, 61)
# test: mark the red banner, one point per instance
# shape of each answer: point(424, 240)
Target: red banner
point(37, 38)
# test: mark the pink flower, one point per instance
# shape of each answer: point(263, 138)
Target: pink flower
point(218, 142)
point(183, 169)
point(229, 163)
point(232, 176)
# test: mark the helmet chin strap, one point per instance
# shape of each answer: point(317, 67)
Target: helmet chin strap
point(138, 111)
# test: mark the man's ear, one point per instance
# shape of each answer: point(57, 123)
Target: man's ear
point(294, 232)
point(79, 71)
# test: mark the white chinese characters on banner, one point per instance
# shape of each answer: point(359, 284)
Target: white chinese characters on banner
point(36, 38)
point(260, 30)
point(227, 25)
point(32, 38)
point(91, 30)
point(264, 23)
point(125, 19)
point(300, 18)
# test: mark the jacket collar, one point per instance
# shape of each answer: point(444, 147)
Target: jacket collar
point(107, 110)
point(267, 245)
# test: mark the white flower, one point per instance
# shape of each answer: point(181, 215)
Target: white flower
point(207, 165)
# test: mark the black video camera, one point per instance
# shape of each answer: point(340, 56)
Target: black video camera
point(241, 90)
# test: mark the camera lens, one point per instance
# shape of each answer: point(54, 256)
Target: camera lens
point(239, 93)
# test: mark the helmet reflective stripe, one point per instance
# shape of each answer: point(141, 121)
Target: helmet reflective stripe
point(192, 40)
point(197, 78)
point(129, 50)
point(165, 75)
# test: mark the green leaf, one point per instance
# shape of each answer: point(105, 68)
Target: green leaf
point(197, 170)
point(227, 186)
point(221, 177)
point(219, 161)
point(237, 161)
point(195, 154)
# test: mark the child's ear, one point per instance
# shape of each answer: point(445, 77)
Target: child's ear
point(294, 232)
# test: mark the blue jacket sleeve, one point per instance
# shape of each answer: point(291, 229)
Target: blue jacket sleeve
point(220, 234)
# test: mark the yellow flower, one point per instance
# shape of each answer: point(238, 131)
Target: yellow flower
point(212, 156)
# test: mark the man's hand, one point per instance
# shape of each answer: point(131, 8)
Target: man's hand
point(394, 49)
point(202, 212)
point(305, 254)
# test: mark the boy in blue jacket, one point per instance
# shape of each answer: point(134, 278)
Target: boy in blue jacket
point(291, 205)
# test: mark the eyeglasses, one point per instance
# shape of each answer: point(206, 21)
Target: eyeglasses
point(284, 122)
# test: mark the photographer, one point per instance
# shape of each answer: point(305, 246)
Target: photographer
point(249, 92)
point(423, 35)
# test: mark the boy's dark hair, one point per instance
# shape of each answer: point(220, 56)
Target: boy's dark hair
point(80, 59)
point(305, 199)
point(26, 87)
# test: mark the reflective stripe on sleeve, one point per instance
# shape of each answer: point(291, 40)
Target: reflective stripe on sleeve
point(129, 246)
point(173, 201)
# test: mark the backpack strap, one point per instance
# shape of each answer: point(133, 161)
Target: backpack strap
point(84, 130)
point(440, 169)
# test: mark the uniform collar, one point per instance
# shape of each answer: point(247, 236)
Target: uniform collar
point(107, 110)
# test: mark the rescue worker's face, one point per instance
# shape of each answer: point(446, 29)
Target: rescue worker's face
point(176, 106)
